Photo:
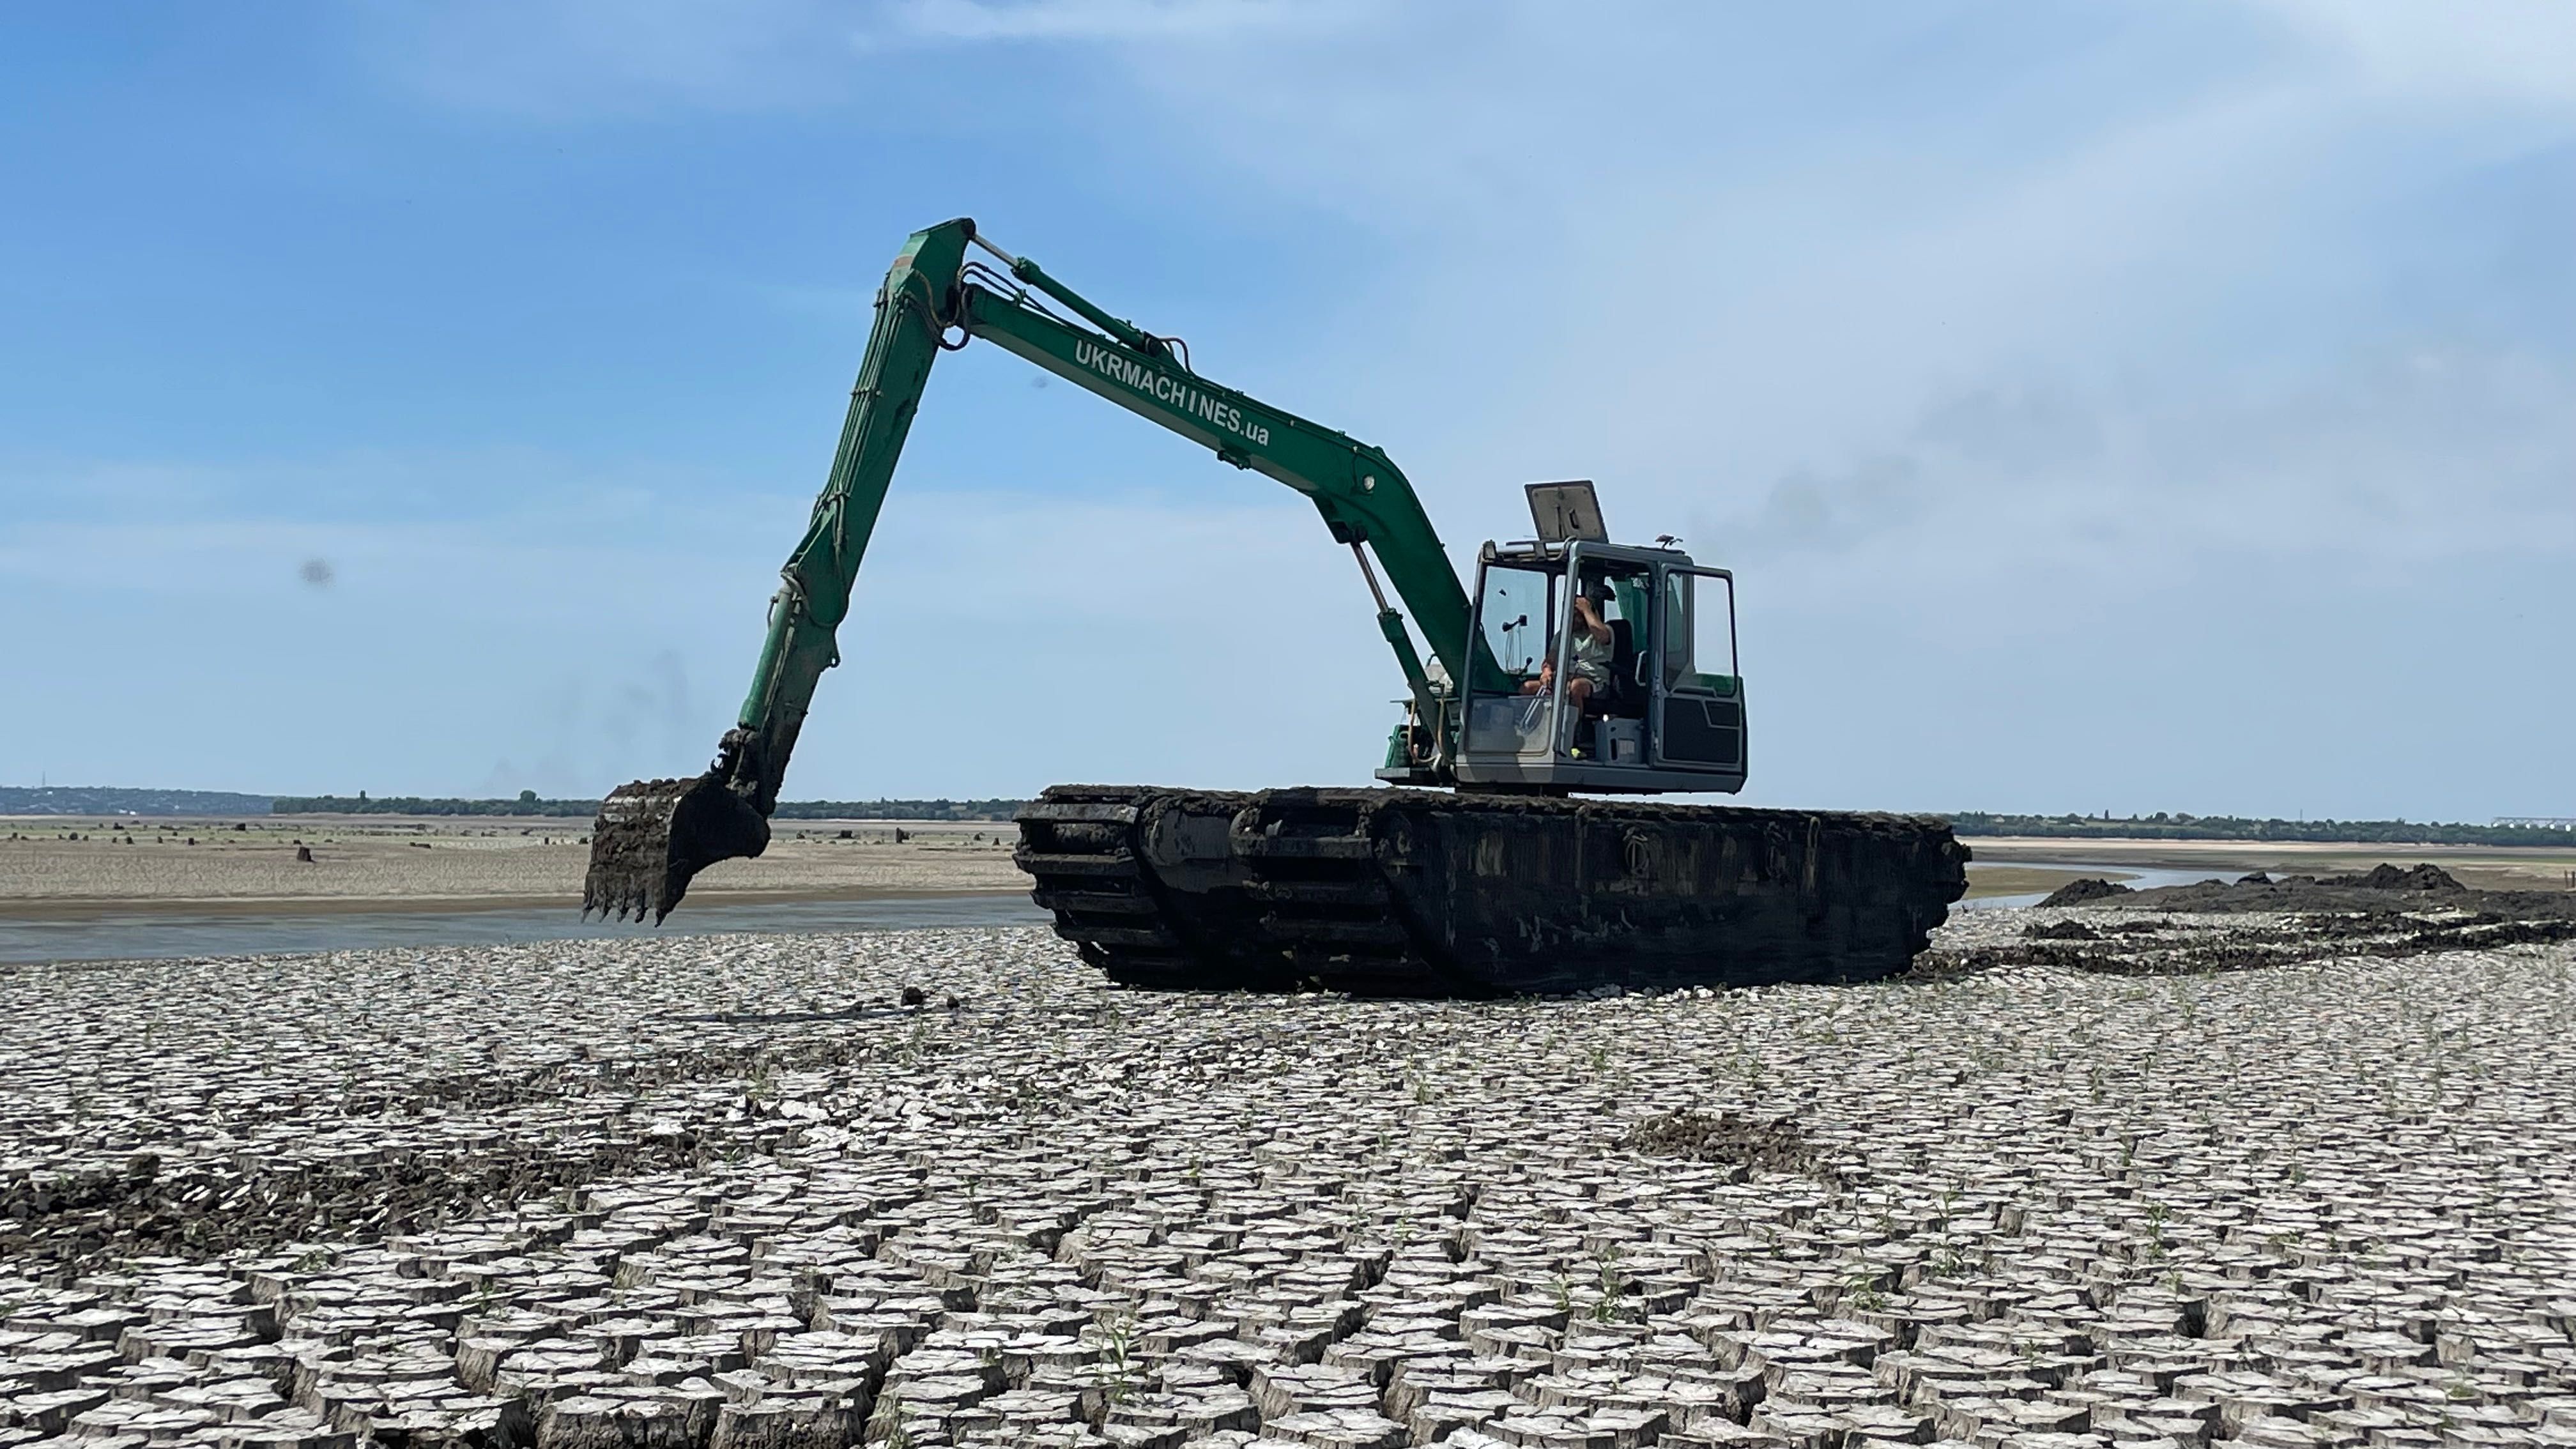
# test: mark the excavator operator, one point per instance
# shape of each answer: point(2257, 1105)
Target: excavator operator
point(1588, 653)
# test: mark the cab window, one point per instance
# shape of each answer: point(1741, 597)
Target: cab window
point(1699, 630)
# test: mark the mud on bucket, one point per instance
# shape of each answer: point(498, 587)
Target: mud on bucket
point(653, 835)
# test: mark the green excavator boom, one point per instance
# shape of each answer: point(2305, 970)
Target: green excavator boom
point(653, 836)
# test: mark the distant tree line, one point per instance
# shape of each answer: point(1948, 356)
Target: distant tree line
point(898, 809)
point(123, 800)
point(364, 804)
point(528, 803)
point(2162, 826)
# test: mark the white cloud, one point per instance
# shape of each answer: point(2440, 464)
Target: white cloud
point(2396, 462)
point(582, 59)
point(2474, 50)
point(1596, 261)
point(1101, 20)
point(559, 60)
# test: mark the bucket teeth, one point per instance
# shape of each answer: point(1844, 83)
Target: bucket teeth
point(616, 895)
point(618, 901)
point(652, 836)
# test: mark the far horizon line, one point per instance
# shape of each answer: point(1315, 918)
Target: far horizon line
point(172, 800)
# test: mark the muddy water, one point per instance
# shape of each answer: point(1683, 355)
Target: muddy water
point(161, 934)
point(2135, 877)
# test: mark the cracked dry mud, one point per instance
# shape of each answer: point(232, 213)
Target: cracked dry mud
point(729, 1193)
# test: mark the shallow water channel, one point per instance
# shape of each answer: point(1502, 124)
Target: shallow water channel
point(161, 934)
point(2135, 877)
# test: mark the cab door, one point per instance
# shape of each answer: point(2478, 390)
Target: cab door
point(1697, 716)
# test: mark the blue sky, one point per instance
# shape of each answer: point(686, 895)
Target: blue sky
point(2157, 406)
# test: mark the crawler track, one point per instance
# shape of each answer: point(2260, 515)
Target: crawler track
point(1422, 893)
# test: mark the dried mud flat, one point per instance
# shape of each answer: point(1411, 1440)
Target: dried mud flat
point(731, 1192)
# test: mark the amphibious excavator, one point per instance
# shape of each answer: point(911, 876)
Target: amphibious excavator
point(1485, 862)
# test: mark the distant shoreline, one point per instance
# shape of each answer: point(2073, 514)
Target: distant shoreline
point(68, 908)
point(117, 804)
point(2244, 831)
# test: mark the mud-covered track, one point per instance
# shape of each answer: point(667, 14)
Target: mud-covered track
point(1421, 893)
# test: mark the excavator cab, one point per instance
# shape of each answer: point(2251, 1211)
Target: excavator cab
point(1663, 712)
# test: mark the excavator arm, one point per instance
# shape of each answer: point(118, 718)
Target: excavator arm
point(653, 836)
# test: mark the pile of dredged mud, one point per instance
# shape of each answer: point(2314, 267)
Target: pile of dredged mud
point(2258, 920)
point(2380, 888)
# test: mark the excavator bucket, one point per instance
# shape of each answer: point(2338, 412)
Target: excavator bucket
point(652, 836)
